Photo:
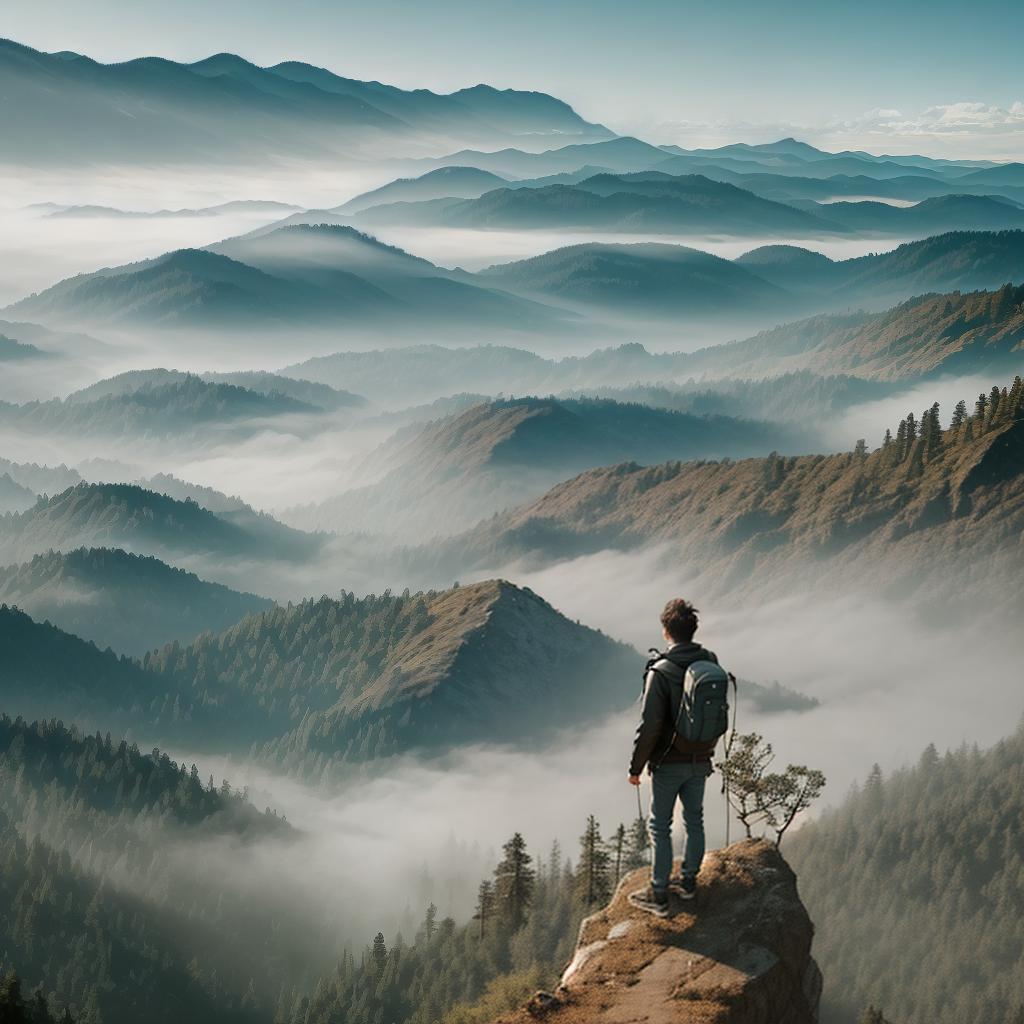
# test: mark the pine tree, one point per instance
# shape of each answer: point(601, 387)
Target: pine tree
point(592, 882)
point(618, 854)
point(959, 415)
point(637, 851)
point(430, 922)
point(515, 879)
point(484, 905)
point(901, 441)
point(933, 434)
point(979, 409)
point(380, 952)
point(994, 402)
point(860, 449)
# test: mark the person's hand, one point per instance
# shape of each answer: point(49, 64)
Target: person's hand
point(634, 780)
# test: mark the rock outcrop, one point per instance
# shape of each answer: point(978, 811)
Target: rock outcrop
point(738, 954)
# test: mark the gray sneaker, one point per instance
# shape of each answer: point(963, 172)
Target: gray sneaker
point(653, 901)
point(686, 887)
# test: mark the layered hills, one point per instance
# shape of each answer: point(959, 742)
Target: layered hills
point(443, 183)
point(131, 603)
point(329, 682)
point(660, 280)
point(976, 332)
point(152, 404)
point(453, 472)
point(313, 274)
point(642, 279)
point(691, 203)
point(145, 522)
point(898, 518)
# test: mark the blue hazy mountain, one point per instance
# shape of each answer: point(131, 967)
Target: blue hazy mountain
point(11, 350)
point(661, 204)
point(132, 603)
point(619, 154)
point(445, 182)
point(312, 274)
point(311, 395)
point(642, 279)
point(256, 207)
point(954, 261)
point(1003, 174)
point(153, 404)
point(225, 109)
point(785, 157)
point(143, 521)
point(928, 217)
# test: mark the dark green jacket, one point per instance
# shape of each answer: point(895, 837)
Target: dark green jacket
point(663, 690)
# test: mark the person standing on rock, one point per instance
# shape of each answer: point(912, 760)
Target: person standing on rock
point(684, 712)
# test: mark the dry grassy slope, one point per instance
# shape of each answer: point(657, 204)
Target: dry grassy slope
point(956, 333)
point(495, 662)
point(492, 644)
point(741, 954)
point(495, 455)
point(752, 522)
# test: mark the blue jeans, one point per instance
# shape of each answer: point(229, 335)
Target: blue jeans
point(684, 781)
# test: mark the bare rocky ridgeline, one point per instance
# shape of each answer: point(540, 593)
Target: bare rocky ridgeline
point(740, 954)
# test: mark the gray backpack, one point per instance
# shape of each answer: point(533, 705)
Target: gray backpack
point(704, 709)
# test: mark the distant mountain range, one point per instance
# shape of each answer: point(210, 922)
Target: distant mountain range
point(787, 157)
point(40, 479)
point(225, 110)
point(11, 350)
point(961, 332)
point(334, 276)
point(183, 406)
point(350, 679)
point(642, 280)
point(691, 204)
point(131, 603)
point(899, 519)
point(450, 474)
point(444, 183)
point(14, 497)
point(269, 210)
point(270, 385)
point(145, 522)
point(323, 275)
point(661, 203)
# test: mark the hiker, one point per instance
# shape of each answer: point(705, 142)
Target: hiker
point(685, 711)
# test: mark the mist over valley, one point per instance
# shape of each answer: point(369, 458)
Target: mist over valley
point(354, 434)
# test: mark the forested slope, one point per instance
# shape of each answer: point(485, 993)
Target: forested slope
point(915, 885)
point(93, 905)
point(896, 518)
point(132, 603)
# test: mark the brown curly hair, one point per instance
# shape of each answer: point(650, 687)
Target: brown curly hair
point(679, 620)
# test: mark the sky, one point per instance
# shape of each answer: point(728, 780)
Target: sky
point(940, 78)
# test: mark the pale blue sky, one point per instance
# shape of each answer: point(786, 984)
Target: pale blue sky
point(937, 77)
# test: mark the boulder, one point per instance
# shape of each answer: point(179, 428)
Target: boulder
point(740, 953)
